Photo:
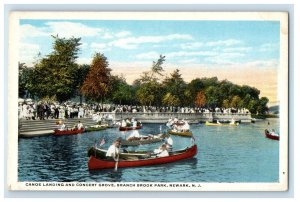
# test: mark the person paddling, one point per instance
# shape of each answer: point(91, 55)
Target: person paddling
point(162, 151)
point(113, 150)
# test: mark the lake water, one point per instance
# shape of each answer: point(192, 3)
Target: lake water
point(225, 154)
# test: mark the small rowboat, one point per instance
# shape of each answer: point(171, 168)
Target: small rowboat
point(68, 132)
point(136, 141)
point(98, 160)
point(270, 136)
point(130, 128)
point(185, 134)
point(220, 124)
point(91, 129)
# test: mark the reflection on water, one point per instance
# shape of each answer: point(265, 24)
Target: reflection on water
point(225, 154)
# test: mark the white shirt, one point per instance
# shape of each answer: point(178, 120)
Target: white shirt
point(163, 153)
point(112, 151)
point(63, 127)
point(79, 126)
point(170, 141)
point(134, 133)
point(123, 123)
point(134, 124)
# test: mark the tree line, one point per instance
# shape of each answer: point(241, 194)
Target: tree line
point(59, 77)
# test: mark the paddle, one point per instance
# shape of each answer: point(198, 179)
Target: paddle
point(117, 161)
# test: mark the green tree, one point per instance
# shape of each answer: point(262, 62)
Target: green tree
point(121, 92)
point(252, 106)
point(82, 72)
point(98, 81)
point(147, 92)
point(56, 74)
point(212, 96)
point(170, 100)
point(262, 105)
point(148, 89)
point(175, 85)
point(226, 103)
point(25, 80)
point(236, 102)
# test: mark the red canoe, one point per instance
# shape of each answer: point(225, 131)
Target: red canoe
point(130, 128)
point(68, 132)
point(97, 163)
point(270, 136)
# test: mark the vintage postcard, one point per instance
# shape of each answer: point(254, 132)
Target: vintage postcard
point(148, 101)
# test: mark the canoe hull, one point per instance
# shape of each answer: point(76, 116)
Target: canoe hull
point(91, 129)
point(184, 134)
point(95, 163)
point(68, 132)
point(268, 135)
point(219, 124)
point(130, 128)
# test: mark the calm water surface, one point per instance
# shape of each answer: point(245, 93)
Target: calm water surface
point(225, 154)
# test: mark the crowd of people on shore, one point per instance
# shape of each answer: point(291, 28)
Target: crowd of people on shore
point(31, 110)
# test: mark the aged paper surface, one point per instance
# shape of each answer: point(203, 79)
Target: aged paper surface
point(16, 44)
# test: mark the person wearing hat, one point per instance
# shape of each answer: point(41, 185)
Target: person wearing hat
point(113, 150)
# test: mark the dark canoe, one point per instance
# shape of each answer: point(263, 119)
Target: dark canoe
point(130, 128)
point(184, 134)
point(270, 136)
point(91, 129)
point(142, 140)
point(137, 159)
point(68, 132)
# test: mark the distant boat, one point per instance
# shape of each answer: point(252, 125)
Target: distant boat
point(149, 139)
point(221, 124)
point(95, 128)
point(270, 136)
point(97, 159)
point(68, 132)
point(130, 128)
point(185, 134)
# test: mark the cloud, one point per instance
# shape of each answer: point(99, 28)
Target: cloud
point(84, 45)
point(83, 60)
point(98, 45)
point(150, 55)
point(264, 63)
point(224, 58)
point(228, 42)
point(63, 29)
point(133, 42)
point(123, 34)
point(70, 29)
point(268, 47)
point(190, 53)
point(188, 61)
point(192, 45)
point(29, 31)
point(237, 49)
point(28, 52)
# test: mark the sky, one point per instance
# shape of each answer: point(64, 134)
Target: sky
point(244, 52)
